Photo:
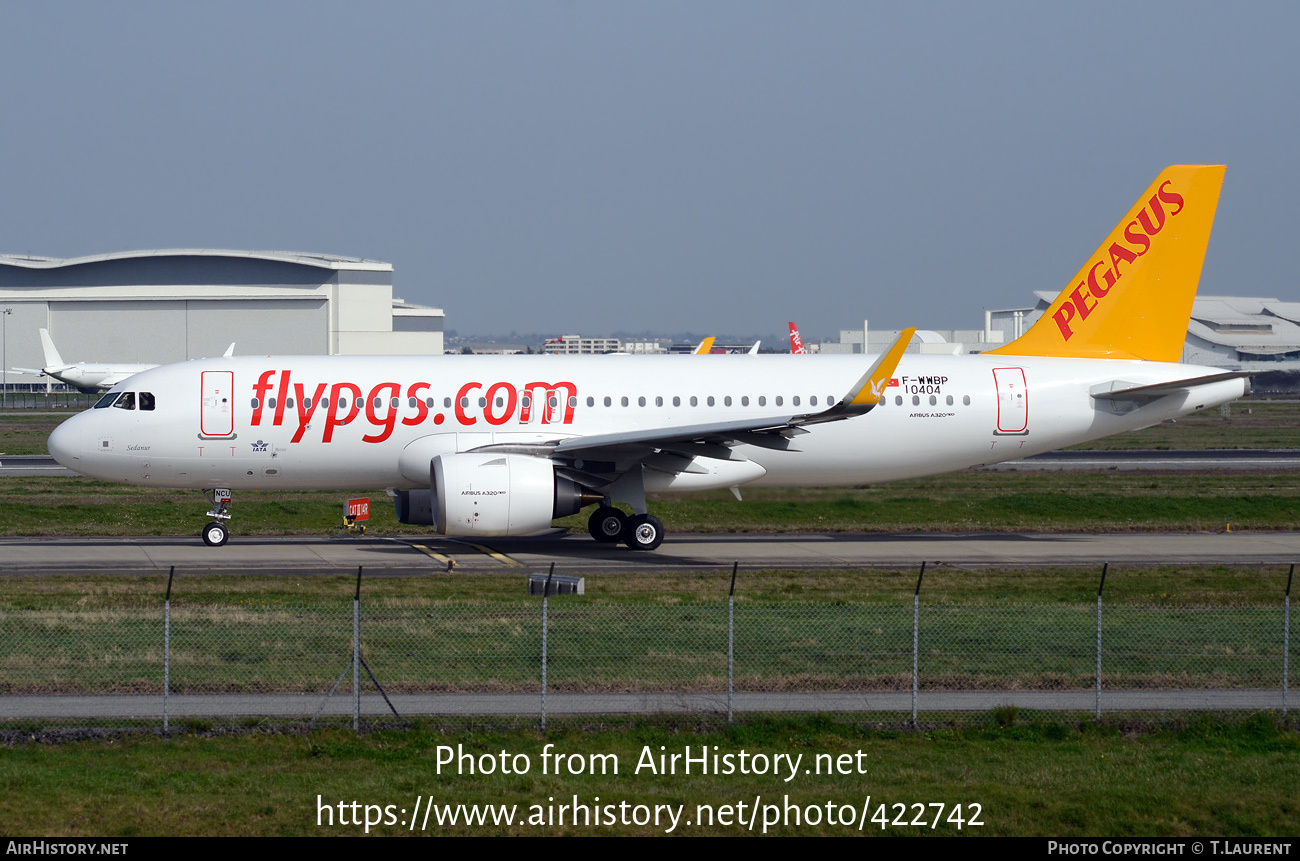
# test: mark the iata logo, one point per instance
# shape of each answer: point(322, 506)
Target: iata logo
point(1138, 233)
point(339, 404)
point(259, 446)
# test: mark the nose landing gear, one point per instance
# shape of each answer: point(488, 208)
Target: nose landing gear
point(215, 533)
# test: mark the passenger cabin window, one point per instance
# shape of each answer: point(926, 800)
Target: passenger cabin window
point(126, 402)
point(146, 400)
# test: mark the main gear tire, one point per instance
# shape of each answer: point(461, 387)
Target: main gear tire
point(607, 524)
point(644, 532)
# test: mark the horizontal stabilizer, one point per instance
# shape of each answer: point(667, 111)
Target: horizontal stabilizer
point(1119, 390)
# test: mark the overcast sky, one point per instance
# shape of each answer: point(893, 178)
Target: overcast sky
point(712, 166)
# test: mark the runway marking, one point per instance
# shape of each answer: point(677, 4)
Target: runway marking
point(445, 560)
point(488, 551)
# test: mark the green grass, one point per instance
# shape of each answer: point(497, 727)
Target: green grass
point(966, 501)
point(1045, 778)
point(1164, 628)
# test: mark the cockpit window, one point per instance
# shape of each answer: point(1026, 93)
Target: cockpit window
point(126, 402)
point(107, 400)
point(146, 400)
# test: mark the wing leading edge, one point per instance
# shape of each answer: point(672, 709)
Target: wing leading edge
point(713, 439)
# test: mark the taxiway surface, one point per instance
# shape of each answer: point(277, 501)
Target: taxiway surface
point(421, 555)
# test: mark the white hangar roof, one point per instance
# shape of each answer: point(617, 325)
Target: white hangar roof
point(321, 261)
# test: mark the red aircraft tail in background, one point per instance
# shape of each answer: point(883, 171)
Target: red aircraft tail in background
point(796, 343)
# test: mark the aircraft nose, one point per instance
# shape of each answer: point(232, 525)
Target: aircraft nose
point(65, 443)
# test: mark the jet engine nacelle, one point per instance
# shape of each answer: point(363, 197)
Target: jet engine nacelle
point(492, 494)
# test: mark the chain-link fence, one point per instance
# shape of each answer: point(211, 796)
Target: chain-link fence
point(560, 655)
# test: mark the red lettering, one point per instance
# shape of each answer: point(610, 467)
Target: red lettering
point(389, 418)
point(279, 404)
point(1172, 198)
point(461, 399)
point(304, 412)
point(553, 401)
point(1081, 302)
point(1117, 253)
point(332, 419)
point(1063, 316)
point(422, 409)
point(1093, 287)
point(259, 392)
point(1159, 210)
point(1137, 237)
point(509, 408)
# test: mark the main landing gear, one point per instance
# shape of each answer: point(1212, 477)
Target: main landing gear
point(215, 533)
point(639, 532)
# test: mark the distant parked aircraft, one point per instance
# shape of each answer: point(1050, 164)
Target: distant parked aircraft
point(88, 377)
point(796, 343)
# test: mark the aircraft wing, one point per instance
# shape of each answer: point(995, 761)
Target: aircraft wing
point(1119, 390)
point(715, 438)
point(29, 372)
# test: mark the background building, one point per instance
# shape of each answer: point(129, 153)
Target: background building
point(1238, 333)
point(170, 306)
point(943, 342)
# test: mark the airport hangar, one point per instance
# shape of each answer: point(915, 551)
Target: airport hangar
point(169, 306)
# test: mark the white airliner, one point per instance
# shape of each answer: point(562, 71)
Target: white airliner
point(502, 445)
point(85, 376)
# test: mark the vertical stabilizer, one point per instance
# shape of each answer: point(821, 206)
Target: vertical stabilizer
point(1133, 298)
point(52, 357)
